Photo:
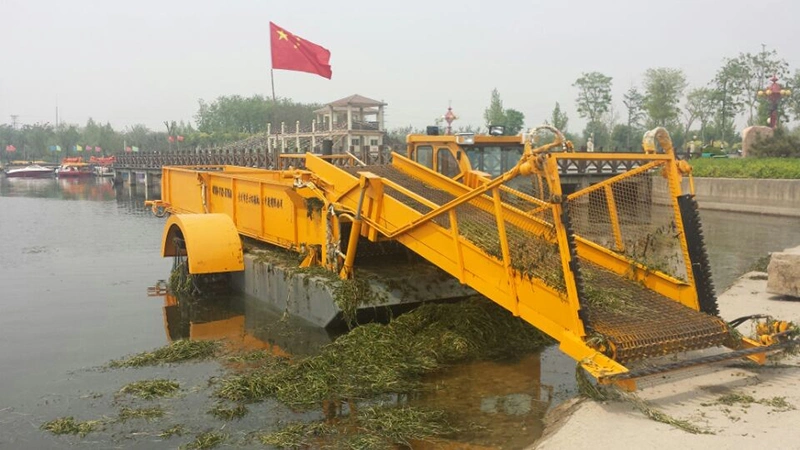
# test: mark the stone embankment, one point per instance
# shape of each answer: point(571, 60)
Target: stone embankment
point(759, 196)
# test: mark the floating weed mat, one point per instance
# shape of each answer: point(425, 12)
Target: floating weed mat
point(209, 439)
point(182, 350)
point(297, 435)
point(381, 427)
point(150, 389)
point(176, 430)
point(224, 413)
point(68, 425)
point(376, 359)
point(154, 412)
point(611, 393)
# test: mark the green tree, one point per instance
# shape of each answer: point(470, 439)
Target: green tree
point(494, 114)
point(741, 78)
point(514, 123)
point(663, 91)
point(793, 102)
point(624, 137)
point(67, 136)
point(512, 120)
point(594, 98)
point(559, 119)
point(700, 106)
point(250, 115)
point(634, 104)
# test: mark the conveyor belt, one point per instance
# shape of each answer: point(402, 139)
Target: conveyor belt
point(637, 322)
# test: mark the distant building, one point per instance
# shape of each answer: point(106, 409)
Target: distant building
point(355, 124)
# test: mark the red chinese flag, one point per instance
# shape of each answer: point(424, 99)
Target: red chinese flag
point(290, 52)
point(180, 138)
point(171, 139)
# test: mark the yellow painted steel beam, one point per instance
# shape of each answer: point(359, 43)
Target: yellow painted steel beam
point(211, 241)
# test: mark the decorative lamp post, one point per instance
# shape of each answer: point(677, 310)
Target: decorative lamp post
point(773, 93)
point(449, 117)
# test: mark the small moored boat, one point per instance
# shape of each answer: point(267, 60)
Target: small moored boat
point(74, 170)
point(32, 171)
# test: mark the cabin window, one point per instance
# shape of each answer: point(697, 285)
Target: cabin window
point(424, 155)
point(446, 164)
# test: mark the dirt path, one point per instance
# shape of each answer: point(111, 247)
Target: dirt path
point(743, 406)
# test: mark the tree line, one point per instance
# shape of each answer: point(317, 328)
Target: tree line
point(705, 114)
point(223, 120)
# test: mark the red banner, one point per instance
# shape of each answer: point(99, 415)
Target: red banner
point(290, 52)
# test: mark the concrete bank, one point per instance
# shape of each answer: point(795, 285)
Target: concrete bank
point(692, 396)
point(759, 196)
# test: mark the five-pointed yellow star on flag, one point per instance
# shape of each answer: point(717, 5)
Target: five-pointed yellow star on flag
point(282, 35)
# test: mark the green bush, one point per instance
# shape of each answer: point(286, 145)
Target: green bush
point(781, 144)
point(783, 168)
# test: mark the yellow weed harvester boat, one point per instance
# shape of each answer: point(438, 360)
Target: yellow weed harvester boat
point(602, 251)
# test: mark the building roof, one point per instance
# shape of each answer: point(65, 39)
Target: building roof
point(356, 100)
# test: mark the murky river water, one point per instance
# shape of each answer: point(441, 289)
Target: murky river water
point(76, 259)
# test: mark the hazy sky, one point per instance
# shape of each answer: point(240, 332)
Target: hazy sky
point(147, 61)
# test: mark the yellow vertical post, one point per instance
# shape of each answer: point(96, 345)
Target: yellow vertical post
point(674, 180)
point(612, 213)
point(355, 232)
point(459, 254)
point(554, 183)
point(501, 231)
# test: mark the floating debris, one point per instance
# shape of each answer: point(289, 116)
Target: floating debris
point(154, 412)
point(221, 412)
point(182, 350)
point(176, 430)
point(209, 439)
point(375, 359)
point(150, 389)
point(297, 435)
point(68, 425)
point(380, 427)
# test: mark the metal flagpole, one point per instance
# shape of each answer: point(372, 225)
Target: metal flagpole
point(272, 80)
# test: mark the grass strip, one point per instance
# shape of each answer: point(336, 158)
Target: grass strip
point(375, 359)
point(178, 351)
point(150, 389)
point(68, 425)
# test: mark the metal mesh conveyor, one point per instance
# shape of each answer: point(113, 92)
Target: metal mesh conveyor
point(635, 322)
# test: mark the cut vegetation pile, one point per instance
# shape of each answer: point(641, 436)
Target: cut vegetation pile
point(373, 361)
point(177, 351)
point(149, 389)
point(373, 428)
point(376, 359)
point(68, 425)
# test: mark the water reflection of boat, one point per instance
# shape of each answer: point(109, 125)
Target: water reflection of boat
point(78, 188)
point(32, 171)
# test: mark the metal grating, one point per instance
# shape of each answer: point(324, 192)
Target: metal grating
point(645, 213)
point(640, 323)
